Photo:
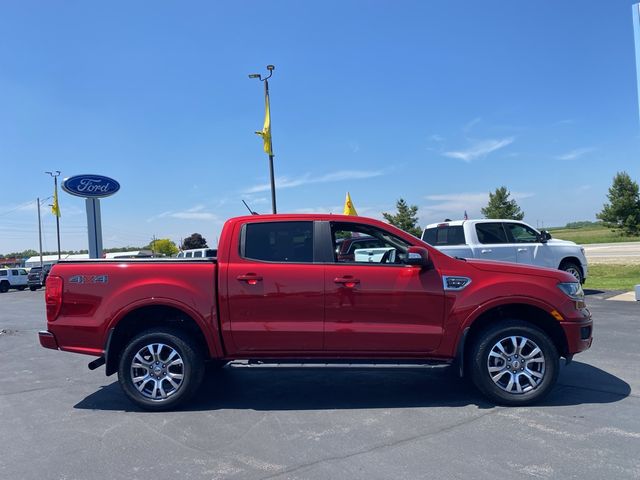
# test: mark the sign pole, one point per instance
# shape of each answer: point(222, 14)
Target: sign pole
point(94, 227)
point(39, 231)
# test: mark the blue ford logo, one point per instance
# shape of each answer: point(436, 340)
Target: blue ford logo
point(91, 186)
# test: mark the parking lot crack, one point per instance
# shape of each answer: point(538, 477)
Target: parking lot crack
point(396, 443)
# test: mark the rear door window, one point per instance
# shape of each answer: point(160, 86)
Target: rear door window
point(491, 233)
point(444, 235)
point(283, 242)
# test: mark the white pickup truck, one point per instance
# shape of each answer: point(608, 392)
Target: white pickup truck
point(506, 241)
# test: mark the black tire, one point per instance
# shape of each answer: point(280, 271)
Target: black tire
point(155, 373)
point(534, 377)
point(573, 269)
point(33, 289)
point(4, 287)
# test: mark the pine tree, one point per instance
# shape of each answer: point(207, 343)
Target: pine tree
point(623, 210)
point(406, 219)
point(500, 206)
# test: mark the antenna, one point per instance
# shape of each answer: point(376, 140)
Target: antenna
point(249, 208)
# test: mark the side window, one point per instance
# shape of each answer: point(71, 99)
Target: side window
point(15, 272)
point(23, 272)
point(522, 233)
point(180, 255)
point(491, 233)
point(279, 242)
point(357, 243)
point(445, 235)
point(188, 255)
point(3, 273)
point(197, 254)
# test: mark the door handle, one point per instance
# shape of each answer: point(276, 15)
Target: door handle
point(486, 250)
point(250, 278)
point(347, 281)
point(522, 249)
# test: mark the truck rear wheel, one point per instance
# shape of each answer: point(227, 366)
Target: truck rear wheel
point(514, 363)
point(160, 369)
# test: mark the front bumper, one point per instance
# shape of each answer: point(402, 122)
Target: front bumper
point(579, 334)
point(48, 339)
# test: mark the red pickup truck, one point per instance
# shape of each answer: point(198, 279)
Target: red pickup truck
point(278, 291)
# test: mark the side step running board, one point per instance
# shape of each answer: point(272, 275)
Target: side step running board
point(342, 363)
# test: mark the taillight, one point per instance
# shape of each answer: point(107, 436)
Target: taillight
point(53, 297)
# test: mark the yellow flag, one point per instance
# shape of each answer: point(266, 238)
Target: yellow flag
point(55, 208)
point(266, 129)
point(349, 209)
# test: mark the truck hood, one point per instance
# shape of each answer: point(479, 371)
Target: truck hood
point(520, 269)
point(557, 241)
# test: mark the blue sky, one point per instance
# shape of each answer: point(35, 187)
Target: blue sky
point(435, 102)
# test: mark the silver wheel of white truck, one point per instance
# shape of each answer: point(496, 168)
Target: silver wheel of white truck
point(159, 369)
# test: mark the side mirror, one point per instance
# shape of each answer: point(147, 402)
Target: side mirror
point(417, 256)
point(544, 236)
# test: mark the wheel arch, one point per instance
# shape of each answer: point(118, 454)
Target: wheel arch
point(519, 311)
point(147, 317)
point(574, 260)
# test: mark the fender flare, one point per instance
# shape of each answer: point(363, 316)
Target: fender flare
point(208, 333)
point(461, 339)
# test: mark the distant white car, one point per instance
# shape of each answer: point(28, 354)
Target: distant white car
point(13, 278)
point(506, 241)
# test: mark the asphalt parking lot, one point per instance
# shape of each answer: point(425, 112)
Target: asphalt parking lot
point(58, 420)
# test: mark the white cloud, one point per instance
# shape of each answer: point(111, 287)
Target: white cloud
point(575, 153)
point(307, 178)
point(453, 205)
point(479, 149)
point(471, 124)
point(194, 213)
point(436, 138)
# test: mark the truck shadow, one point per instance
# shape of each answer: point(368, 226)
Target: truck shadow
point(305, 388)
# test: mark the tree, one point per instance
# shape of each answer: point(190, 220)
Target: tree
point(195, 240)
point(163, 246)
point(500, 206)
point(623, 210)
point(406, 219)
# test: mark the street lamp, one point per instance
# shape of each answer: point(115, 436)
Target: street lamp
point(56, 206)
point(266, 131)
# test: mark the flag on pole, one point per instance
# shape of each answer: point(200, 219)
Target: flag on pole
point(466, 217)
point(266, 129)
point(349, 209)
point(55, 208)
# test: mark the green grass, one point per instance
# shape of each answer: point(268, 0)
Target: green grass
point(612, 277)
point(591, 234)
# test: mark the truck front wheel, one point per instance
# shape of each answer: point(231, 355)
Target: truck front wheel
point(159, 369)
point(514, 363)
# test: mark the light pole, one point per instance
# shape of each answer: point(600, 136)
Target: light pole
point(55, 208)
point(266, 131)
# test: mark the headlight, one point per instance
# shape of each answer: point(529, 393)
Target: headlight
point(573, 290)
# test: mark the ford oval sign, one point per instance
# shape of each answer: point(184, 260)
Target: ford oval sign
point(90, 186)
